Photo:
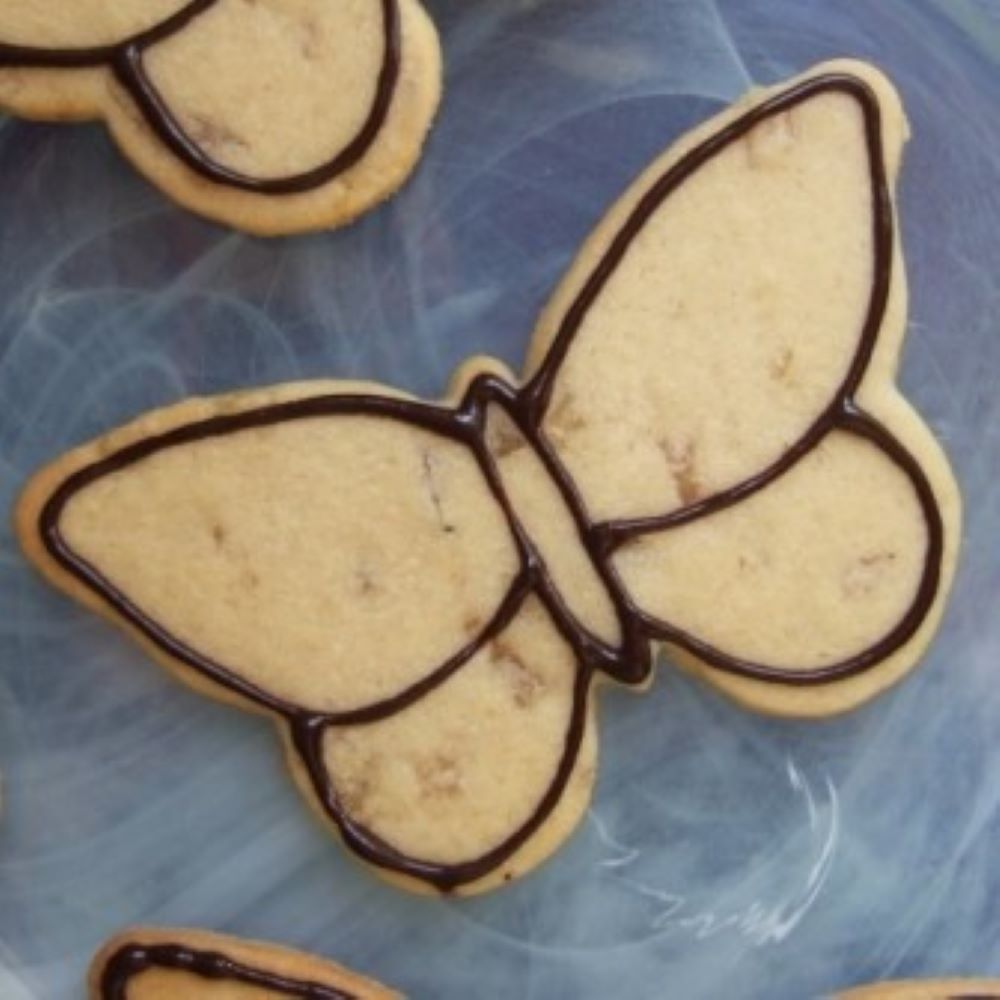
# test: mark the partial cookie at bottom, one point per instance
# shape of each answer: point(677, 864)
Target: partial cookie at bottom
point(143, 963)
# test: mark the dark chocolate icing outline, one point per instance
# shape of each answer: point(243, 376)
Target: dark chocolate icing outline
point(133, 959)
point(631, 661)
point(124, 59)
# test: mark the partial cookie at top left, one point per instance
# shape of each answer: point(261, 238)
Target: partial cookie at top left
point(272, 116)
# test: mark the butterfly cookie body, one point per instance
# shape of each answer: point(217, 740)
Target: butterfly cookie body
point(273, 116)
point(177, 964)
point(705, 453)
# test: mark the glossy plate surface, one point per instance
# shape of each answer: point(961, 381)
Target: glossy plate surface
point(725, 854)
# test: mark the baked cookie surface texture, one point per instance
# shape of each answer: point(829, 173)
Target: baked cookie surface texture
point(706, 453)
point(166, 964)
point(273, 116)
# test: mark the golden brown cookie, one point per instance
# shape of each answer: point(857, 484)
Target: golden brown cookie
point(928, 989)
point(273, 116)
point(144, 963)
point(706, 452)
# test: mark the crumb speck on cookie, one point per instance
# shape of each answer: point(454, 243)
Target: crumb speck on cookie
point(366, 582)
point(311, 39)
point(473, 625)
point(440, 776)
point(213, 135)
point(565, 420)
point(767, 144)
point(780, 366)
point(505, 441)
point(525, 684)
point(428, 463)
point(681, 461)
point(867, 573)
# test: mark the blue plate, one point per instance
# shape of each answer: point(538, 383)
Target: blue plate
point(725, 854)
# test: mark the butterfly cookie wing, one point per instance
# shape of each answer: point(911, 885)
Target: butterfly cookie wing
point(344, 562)
point(479, 780)
point(230, 92)
point(703, 375)
point(810, 594)
point(320, 553)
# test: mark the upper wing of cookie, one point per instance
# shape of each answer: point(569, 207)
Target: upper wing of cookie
point(48, 26)
point(700, 368)
point(233, 91)
point(326, 554)
point(729, 300)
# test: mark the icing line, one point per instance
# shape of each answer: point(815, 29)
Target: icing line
point(132, 959)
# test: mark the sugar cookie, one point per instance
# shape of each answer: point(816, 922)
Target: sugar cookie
point(273, 116)
point(159, 964)
point(706, 452)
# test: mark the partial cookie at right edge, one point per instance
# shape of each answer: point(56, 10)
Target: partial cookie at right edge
point(927, 989)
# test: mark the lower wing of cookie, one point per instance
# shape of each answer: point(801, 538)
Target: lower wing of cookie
point(473, 784)
point(817, 579)
point(144, 962)
point(270, 117)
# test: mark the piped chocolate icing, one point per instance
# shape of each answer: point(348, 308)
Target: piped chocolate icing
point(131, 960)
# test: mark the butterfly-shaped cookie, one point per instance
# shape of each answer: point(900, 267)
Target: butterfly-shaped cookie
point(706, 453)
point(273, 116)
point(143, 963)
